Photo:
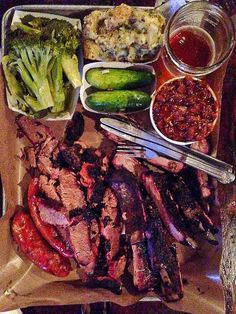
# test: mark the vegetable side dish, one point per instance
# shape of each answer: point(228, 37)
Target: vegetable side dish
point(41, 65)
point(123, 33)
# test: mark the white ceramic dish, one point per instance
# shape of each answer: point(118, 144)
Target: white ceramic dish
point(152, 119)
point(86, 89)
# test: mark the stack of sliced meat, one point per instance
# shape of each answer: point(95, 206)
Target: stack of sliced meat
point(111, 214)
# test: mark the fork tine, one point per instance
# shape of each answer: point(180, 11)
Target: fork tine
point(130, 154)
point(130, 147)
point(127, 151)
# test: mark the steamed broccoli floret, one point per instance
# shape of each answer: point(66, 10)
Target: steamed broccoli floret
point(56, 84)
point(40, 51)
point(27, 29)
point(70, 67)
point(31, 62)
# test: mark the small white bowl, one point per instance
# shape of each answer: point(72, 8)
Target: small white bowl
point(153, 102)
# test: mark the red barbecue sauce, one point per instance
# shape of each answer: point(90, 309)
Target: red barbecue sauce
point(191, 48)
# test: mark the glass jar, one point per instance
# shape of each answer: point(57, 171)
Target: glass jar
point(198, 39)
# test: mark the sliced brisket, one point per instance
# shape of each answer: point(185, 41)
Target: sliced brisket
point(162, 255)
point(111, 223)
point(126, 190)
point(45, 164)
point(156, 185)
point(52, 214)
point(81, 245)
point(31, 156)
point(35, 131)
point(48, 187)
point(74, 128)
point(70, 191)
point(196, 218)
point(71, 157)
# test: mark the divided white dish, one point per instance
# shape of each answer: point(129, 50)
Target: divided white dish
point(86, 89)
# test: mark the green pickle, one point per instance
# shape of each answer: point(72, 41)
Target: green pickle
point(118, 101)
point(117, 79)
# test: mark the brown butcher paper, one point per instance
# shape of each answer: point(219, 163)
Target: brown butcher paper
point(23, 284)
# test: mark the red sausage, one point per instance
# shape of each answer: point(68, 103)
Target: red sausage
point(36, 248)
point(49, 232)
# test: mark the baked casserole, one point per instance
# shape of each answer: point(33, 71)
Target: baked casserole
point(123, 33)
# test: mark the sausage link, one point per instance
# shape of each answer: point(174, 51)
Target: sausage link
point(31, 243)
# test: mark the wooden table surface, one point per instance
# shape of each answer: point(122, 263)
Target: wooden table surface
point(229, 108)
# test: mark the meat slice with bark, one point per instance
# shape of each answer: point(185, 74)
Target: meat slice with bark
point(162, 254)
point(167, 164)
point(203, 182)
point(71, 157)
point(126, 190)
point(74, 128)
point(96, 192)
point(35, 131)
point(129, 163)
point(156, 185)
point(199, 192)
point(70, 191)
point(52, 214)
point(110, 223)
point(82, 247)
point(48, 187)
point(196, 218)
point(45, 164)
point(31, 156)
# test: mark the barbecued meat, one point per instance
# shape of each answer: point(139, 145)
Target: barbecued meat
point(204, 189)
point(200, 193)
point(70, 191)
point(111, 223)
point(197, 220)
point(44, 163)
point(88, 174)
point(35, 131)
point(104, 217)
point(202, 146)
point(74, 128)
point(106, 283)
point(125, 187)
point(156, 185)
point(31, 156)
point(143, 277)
point(81, 245)
point(71, 157)
point(167, 164)
point(162, 255)
point(129, 163)
point(95, 193)
point(95, 235)
point(52, 214)
point(48, 187)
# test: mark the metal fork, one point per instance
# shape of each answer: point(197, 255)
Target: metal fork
point(136, 151)
point(150, 156)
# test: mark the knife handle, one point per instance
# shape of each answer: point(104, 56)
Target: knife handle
point(222, 175)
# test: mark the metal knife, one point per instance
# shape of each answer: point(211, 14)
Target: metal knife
point(212, 166)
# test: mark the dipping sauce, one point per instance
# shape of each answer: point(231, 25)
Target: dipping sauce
point(185, 109)
point(193, 46)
